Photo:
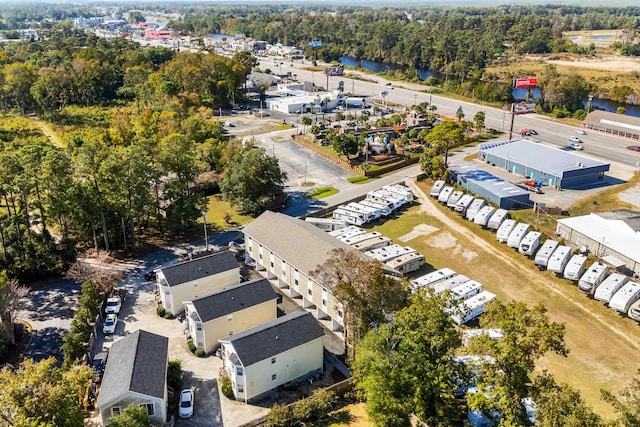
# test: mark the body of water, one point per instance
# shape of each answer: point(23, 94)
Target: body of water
point(380, 67)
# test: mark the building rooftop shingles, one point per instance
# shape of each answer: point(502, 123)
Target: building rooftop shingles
point(233, 299)
point(136, 363)
point(200, 267)
point(274, 337)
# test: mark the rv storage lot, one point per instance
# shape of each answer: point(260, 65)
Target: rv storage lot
point(603, 346)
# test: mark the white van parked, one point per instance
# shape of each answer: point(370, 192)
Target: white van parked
point(625, 297)
point(592, 277)
point(497, 219)
point(559, 260)
point(483, 215)
point(530, 243)
point(545, 252)
point(464, 203)
point(609, 287)
point(475, 207)
point(437, 188)
point(575, 267)
point(444, 194)
point(505, 229)
point(519, 231)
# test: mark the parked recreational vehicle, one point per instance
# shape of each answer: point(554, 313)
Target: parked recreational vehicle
point(530, 243)
point(350, 231)
point(382, 206)
point(444, 194)
point(627, 295)
point(497, 219)
point(634, 311)
point(368, 217)
point(453, 199)
point(592, 277)
point(502, 235)
point(483, 215)
point(396, 199)
point(466, 290)
point(388, 253)
point(326, 224)
point(351, 240)
point(372, 243)
point(558, 261)
point(437, 188)
point(545, 252)
point(609, 287)
point(519, 231)
point(349, 217)
point(451, 283)
point(372, 213)
point(400, 190)
point(474, 208)
point(472, 308)
point(432, 278)
point(575, 267)
point(407, 263)
point(463, 204)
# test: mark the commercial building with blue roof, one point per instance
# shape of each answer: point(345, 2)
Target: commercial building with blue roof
point(496, 190)
point(555, 167)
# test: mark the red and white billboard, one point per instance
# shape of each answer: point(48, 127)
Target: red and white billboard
point(531, 82)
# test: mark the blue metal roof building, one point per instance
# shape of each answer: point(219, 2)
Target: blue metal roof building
point(496, 190)
point(557, 168)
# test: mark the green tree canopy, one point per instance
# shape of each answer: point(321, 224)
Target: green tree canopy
point(131, 416)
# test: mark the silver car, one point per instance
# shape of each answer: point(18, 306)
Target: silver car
point(186, 403)
point(110, 324)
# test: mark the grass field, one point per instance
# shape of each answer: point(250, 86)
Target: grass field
point(322, 192)
point(217, 209)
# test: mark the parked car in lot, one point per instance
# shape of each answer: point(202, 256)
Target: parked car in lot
point(633, 147)
point(573, 138)
point(110, 324)
point(186, 403)
point(113, 305)
point(581, 132)
point(576, 146)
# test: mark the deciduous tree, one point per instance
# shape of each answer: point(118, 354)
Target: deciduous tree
point(131, 416)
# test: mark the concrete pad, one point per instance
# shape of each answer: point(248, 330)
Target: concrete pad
point(418, 230)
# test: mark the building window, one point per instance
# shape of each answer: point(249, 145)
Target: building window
point(240, 388)
point(324, 302)
point(239, 371)
point(296, 282)
point(199, 326)
point(309, 292)
point(271, 264)
point(150, 408)
point(273, 377)
point(273, 360)
point(115, 411)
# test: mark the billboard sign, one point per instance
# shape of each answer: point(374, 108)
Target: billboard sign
point(315, 44)
point(531, 82)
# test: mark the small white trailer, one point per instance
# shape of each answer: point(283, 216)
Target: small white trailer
point(387, 253)
point(382, 206)
point(530, 243)
point(444, 194)
point(431, 278)
point(437, 188)
point(463, 204)
point(349, 217)
point(575, 267)
point(380, 200)
point(496, 220)
point(634, 311)
point(609, 287)
point(474, 208)
point(466, 290)
point(347, 232)
point(372, 243)
point(453, 199)
point(397, 201)
point(371, 213)
point(502, 235)
point(450, 283)
point(483, 215)
point(406, 263)
point(519, 231)
point(351, 240)
point(592, 277)
point(400, 190)
point(368, 217)
point(326, 224)
point(545, 252)
point(625, 297)
point(473, 307)
point(558, 261)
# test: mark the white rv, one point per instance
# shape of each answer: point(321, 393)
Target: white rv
point(473, 307)
point(347, 232)
point(437, 188)
point(519, 231)
point(545, 252)
point(634, 311)
point(609, 287)
point(473, 209)
point(371, 213)
point(326, 224)
point(530, 243)
point(483, 215)
point(502, 235)
point(383, 207)
point(431, 278)
point(453, 199)
point(575, 267)
point(406, 263)
point(627, 295)
point(466, 290)
point(400, 190)
point(367, 216)
point(372, 243)
point(396, 199)
point(592, 277)
point(387, 253)
point(463, 204)
point(444, 194)
point(558, 261)
point(351, 240)
point(450, 283)
point(497, 219)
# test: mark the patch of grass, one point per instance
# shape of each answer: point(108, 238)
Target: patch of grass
point(354, 415)
point(605, 200)
point(322, 192)
point(360, 179)
point(221, 215)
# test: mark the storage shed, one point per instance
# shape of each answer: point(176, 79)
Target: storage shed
point(555, 167)
point(496, 190)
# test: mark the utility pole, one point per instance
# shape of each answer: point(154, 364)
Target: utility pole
point(204, 223)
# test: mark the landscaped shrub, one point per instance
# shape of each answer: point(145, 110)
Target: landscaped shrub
point(161, 311)
point(174, 374)
point(168, 315)
point(227, 389)
point(280, 416)
point(315, 407)
point(200, 353)
point(191, 345)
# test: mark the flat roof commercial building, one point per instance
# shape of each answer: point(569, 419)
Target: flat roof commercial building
point(613, 123)
point(555, 167)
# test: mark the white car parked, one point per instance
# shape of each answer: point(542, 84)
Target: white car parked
point(576, 146)
point(186, 403)
point(110, 324)
point(574, 139)
point(113, 305)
